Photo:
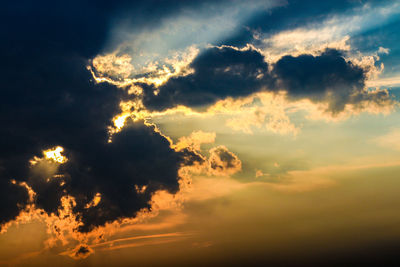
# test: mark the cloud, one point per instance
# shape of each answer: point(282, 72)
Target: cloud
point(333, 20)
point(385, 82)
point(79, 252)
point(222, 162)
point(219, 72)
point(195, 140)
point(83, 252)
point(302, 41)
point(50, 104)
point(136, 241)
point(383, 50)
point(48, 101)
point(13, 199)
point(223, 72)
point(216, 73)
point(252, 95)
point(336, 30)
point(149, 53)
point(324, 176)
point(326, 78)
point(138, 156)
point(263, 111)
point(118, 69)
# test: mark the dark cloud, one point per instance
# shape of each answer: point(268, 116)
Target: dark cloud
point(327, 77)
point(218, 73)
point(13, 199)
point(228, 72)
point(81, 252)
point(48, 99)
point(138, 156)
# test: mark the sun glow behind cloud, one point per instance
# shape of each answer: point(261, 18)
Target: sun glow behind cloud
point(198, 129)
point(331, 33)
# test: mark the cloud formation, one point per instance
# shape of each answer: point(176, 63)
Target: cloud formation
point(221, 72)
point(223, 162)
point(328, 77)
point(48, 100)
point(217, 73)
point(68, 147)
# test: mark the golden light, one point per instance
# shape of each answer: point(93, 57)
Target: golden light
point(55, 154)
point(119, 121)
point(95, 201)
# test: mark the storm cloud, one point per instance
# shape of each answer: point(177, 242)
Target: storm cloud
point(48, 99)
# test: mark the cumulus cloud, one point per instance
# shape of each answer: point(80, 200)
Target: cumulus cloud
point(326, 78)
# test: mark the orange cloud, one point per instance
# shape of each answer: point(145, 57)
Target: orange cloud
point(195, 140)
point(223, 162)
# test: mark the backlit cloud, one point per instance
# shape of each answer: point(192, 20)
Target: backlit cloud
point(116, 112)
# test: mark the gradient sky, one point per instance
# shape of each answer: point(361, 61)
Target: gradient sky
point(200, 133)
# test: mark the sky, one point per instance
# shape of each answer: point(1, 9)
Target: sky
point(200, 133)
